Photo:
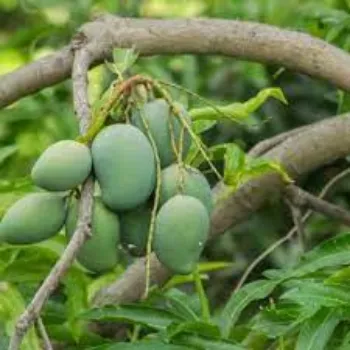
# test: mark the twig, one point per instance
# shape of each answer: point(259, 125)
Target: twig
point(44, 336)
point(290, 234)
point(83, 228)
point(301, 198)
point(298, 223)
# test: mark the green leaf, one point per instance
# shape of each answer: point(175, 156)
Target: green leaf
point(238, 301)
point(75, 288)
point(277, 320)
point(234, 164)
point(238, 111)
point(11, 307)
point(334, 252)
point(194, 328)
point(316, 332)
point(149, 317)
point(123, 59)
point(180, 303)
point(208, 344)
point(154, 345)
point(309, 292)
point(6, 152)
point(199, 126)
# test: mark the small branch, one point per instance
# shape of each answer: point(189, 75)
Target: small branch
point(244, 40)
point(329, 186)
point(298, 223)
point(82, 232)
point(44, 336)
point(301, 198)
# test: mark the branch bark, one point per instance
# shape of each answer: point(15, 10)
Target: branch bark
point(245, 40)
point(82, 232)
point(299, 154)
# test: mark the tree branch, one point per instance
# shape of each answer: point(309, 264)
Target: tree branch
point(301, 198)
point(245, 40)
point(329, 186)
point(323, 143)
point(82, 232)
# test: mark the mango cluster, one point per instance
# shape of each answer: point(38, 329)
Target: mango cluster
point(123, 162)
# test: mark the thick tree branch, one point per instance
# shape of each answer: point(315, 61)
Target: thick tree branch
point(245, 40)
point(82, 232)
point(318, 145)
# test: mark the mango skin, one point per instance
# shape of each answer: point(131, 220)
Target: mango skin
point(195, 185)
point(34, 218)
point(157, 114)
point(124, 165)
point(100, 252)
point(181, 228)
point(62, 166)
point(134, 229)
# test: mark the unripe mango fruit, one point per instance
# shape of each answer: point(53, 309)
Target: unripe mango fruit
point(158, 117)
point(124, 165)
point(181, 228)
point(34, 218)
point(194, 184)
point(100, 252)
point(63, 166)
point(134, 229)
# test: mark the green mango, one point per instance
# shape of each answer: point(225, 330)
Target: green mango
point(100, 252)
point(34, 218)
point(124, 165)
point(158, 116)
point(63, 166)
point(134, 229)
point(181, 229)
point(195, 185)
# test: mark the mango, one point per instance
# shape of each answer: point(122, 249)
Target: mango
point(158, 116)
point(181, 229)
point(124, 166)
point(34, 218)
point(100, 252)
point(195, 185)
point(134, 229)
point(62, 166)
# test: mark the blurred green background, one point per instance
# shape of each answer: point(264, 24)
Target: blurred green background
point(33, 28)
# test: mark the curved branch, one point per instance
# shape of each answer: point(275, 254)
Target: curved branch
point(313, 147)
point(245, 40)
point(83, 228)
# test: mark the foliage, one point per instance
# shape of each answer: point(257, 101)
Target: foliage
point(301, 303)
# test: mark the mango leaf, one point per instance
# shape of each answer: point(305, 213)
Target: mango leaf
point(152, 345)
point(123, 59)
point(331, 253)
point(194, 328)
point(316, 293)
point(149, 317)
point(237, 111)
point(316, 332)
point(75, 288)
point(204, 343)
point(239, 300)
point(200, 126)
point(11, 307)
point(6, 152)
point(277, 320)
point(180, 304)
